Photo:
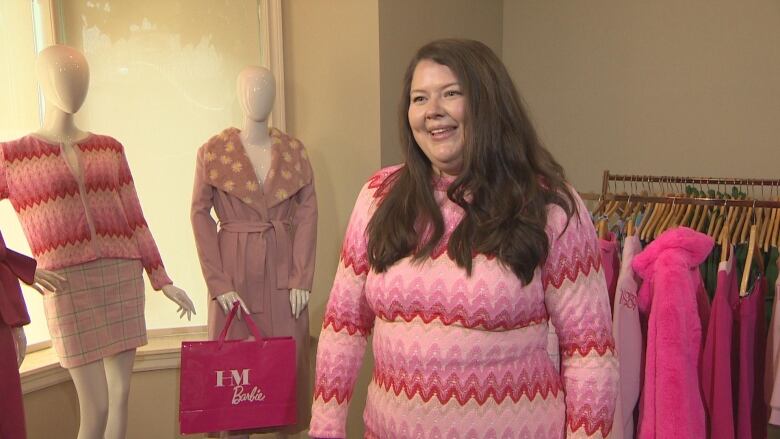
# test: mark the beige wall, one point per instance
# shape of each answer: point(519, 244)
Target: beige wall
point(331, 51)
point(332, 87)
point(663, 87)
point(404, 26)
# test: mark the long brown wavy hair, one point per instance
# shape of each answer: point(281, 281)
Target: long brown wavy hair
point(507, 180)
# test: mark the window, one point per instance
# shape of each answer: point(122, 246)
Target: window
point(162, 81)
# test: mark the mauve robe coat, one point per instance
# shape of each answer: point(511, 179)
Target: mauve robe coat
point(266, 240)
point(13, 313)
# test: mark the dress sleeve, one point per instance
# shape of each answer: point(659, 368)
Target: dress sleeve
point(205, 229)
point(304, 238)
point(578, 304)
point(150, 256)
point(13, 267)
point(773, 359)
point(346, 327)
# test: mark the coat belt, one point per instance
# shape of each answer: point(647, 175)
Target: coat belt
point(282, 247)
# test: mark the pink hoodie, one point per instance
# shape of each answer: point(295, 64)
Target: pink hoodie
point(674, 303)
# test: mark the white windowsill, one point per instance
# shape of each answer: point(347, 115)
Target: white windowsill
point(41, 369)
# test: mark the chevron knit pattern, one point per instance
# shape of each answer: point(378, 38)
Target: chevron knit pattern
point(55, 213)
point(466, 357)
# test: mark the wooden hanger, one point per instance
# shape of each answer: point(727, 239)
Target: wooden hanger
point(753, 256)
point(650, 210)
point(743, 225)
point(661, 223)
point(758, 214)
point(725, 249)
point(658, 212)
point(706, 213)
point(768, 234)
point(694, 221)
point(630, 227)
point(613, 208)
point(603, 228)
point(600, 207)
point(720, 219)
point(775, 227)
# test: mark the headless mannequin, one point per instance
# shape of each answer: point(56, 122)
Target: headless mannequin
point(102, 386)
point(256, 92)
point(256, 89)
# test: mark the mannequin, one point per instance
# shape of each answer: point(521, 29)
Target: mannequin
point(259, 183)
point(93, 258)
point(256, 89)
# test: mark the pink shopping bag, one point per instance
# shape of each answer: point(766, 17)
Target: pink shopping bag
point(237, 384)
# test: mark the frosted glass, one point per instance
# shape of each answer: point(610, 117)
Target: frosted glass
point(162, 82)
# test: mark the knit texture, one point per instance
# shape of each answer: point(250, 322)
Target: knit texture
point(466, 357)
point(53, 210)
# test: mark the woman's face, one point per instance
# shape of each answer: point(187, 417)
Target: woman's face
point(436, 114)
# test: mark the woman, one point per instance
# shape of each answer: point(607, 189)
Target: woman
point(457, 260)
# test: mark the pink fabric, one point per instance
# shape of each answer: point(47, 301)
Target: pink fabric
point(716, 359)
point(672, 404)
point(53, 211)
point(266, 241)
point(13, 313)
point(97, 312)
point(611, 263)
point(627, 331)
point(466, 357)
point(751, 408)
point(773, 361)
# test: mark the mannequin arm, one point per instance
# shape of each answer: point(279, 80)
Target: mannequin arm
point(46, 280)
point(227, 300)
point(179, 297)
point(20, 343)
point(298, 301)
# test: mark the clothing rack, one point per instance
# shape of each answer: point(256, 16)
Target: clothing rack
point(662, 181)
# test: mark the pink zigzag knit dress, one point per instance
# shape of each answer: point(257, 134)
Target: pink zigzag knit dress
point(466, 357)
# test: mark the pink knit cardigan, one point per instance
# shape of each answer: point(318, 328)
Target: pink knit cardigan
point(54, 210)
point(672, 298)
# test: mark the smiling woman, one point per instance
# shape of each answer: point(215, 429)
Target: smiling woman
point(459, 260)
point(436, 116)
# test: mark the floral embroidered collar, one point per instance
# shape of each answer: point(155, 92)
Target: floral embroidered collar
point(229, 169)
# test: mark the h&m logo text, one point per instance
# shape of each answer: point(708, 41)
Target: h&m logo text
point(238, 379)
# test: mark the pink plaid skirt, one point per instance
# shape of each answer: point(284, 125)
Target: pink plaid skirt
point(98, 312)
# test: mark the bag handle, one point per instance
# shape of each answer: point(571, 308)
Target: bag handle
point(232, 314)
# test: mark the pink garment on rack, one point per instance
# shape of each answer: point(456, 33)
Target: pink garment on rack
point(611, 263)
point(670, 297)
point(716, 360)
point(627, 331)
point(751, 408)
point(773, 361)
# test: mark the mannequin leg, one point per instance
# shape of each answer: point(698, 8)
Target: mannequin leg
point(91, 387)
point(118, 370)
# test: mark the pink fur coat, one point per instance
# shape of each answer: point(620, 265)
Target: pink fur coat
point(673, 301)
